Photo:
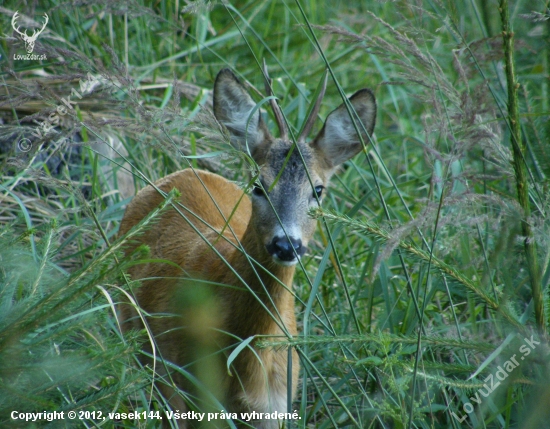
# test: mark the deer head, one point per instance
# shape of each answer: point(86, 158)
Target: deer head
point(291, 176)
point(29, 40)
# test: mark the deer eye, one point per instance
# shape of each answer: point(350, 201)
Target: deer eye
point(258, 190)
point(318, 191)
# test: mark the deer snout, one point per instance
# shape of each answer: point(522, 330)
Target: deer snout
point(286, 249)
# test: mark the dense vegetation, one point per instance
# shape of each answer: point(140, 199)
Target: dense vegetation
point(427, 281)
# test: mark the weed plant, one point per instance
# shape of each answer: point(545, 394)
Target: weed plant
point(429, 272)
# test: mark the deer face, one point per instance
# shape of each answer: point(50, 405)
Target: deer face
point(282, 197)
point(291, 177)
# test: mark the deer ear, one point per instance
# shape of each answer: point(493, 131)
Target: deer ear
point(338, 140)
point(233, 107)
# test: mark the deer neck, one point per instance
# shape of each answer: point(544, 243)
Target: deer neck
point(267, 294)
point(265, 275)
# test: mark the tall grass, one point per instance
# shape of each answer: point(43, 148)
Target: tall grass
point(430, 267)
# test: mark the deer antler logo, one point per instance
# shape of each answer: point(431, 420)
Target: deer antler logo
point(29, 40)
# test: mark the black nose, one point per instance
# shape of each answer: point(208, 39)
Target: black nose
point(285, 248)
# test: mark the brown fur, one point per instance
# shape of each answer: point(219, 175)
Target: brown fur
point(242, 298)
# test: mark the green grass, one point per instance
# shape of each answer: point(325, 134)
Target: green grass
point(418, 284)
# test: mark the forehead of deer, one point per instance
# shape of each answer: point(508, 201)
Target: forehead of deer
point(293, 162)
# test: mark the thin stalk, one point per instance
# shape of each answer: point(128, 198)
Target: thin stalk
point(446, 270)
point(520, 167)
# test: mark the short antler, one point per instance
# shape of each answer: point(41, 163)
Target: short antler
point(283, 129)
point(314, 112)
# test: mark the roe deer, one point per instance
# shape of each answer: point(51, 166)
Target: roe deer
point(243, 249)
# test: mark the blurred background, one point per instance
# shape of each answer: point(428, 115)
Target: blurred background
point(429, 268)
